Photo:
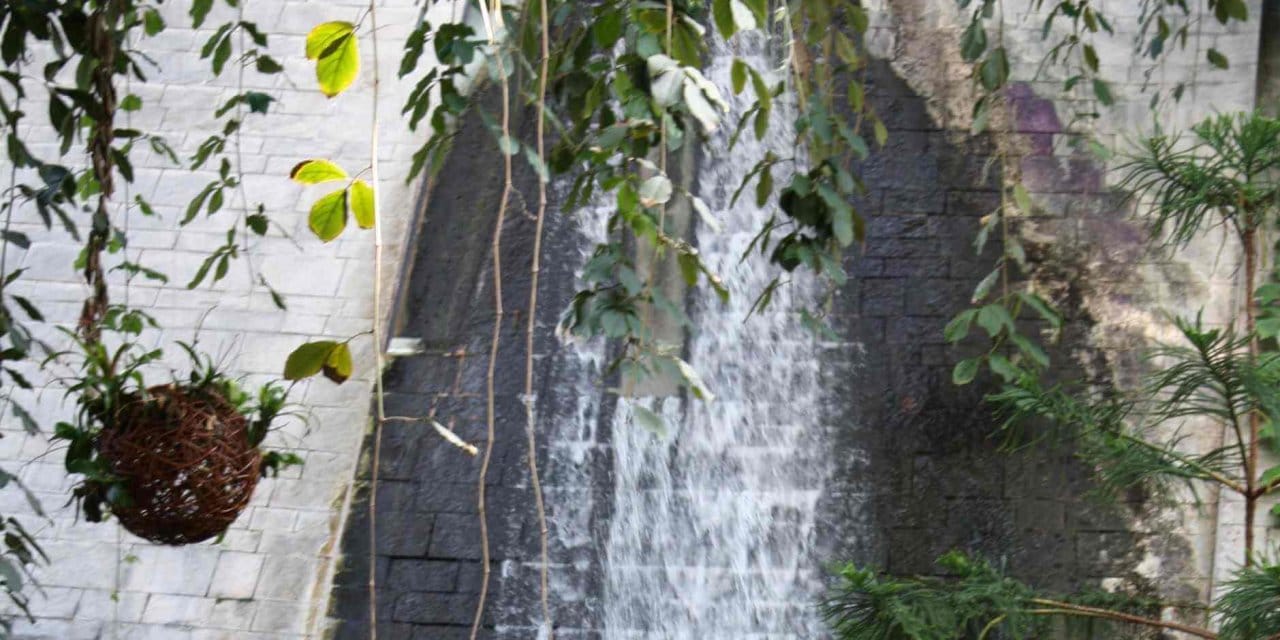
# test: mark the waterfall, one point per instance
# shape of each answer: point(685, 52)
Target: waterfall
point(710, 534)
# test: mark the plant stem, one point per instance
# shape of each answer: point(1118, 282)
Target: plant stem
point(534, 480)
point(102, 40)
point(493, 17)
point(380, 405)
point(1249, 238)
point(1057, 607)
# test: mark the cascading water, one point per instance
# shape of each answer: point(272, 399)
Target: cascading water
point(711, 526)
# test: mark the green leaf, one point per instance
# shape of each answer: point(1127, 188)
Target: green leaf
point(1269, 476)
point(152, 23)
point(984, 287)
point(199, 10)
point(1267, 293)
point(651, 421)
point(738, 74)
point(329, 215)
point(131, 102)
point(1217, 59)
point(1091, 57)
point(308, 359)
point(1103, 91)
point(881, 132)
point(1043, 308)
point(974, 41)
point(1022, 199)
point(361, 203)
point(267, 65)
point(993, 318)
point(337, 365)
point(1268, 327)
point(221, 55)
point(722, 14)
point(958, 327)
point(994, 71)
point(258, 102)
point(965, 371)
point(333, 47)
point(1001, 366)
point(607, 29)
point(842, 215)
point(257, 223)
point(1030, 349)
point(316, 171)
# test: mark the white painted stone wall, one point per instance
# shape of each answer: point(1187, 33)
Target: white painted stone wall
point(269, 578)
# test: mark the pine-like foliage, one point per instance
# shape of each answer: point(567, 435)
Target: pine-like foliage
point(1249, 608)
point(1133, 440)
point(977, 602)
point(1223, 173)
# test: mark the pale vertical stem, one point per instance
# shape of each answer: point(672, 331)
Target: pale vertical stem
point(496, 248)
point(379, 405)
point(535, 481)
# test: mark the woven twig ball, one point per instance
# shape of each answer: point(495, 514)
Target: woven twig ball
point(185, 461)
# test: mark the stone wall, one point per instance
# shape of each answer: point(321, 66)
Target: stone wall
point(268, 577)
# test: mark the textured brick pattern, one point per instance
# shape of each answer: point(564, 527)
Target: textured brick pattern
point(261, 580)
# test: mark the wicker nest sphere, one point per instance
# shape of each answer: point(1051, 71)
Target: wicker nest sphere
point(185, 462)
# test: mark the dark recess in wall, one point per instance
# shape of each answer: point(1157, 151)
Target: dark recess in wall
point(917, 471)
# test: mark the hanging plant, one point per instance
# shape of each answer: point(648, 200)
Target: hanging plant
point(176, 463)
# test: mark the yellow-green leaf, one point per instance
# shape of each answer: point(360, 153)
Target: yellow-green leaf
point(333, 46)
point(308, 359)
point(337, 366)
point(361, 199)
point(329, 215)
point(316, 171)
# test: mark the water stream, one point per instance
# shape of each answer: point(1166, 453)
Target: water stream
point(710, 533)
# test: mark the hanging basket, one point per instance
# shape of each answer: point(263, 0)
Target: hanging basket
point(185, 463)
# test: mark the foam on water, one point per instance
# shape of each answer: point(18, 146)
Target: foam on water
point(710, 534)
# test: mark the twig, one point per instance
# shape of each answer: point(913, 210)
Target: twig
point(492, 27)
point(1055, 607)
point(535, 481)
point(445, 432)
point(377, 334)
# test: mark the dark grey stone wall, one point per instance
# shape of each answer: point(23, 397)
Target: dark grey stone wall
point(917, 469)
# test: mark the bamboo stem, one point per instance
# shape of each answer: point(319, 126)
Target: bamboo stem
point(496, 249)
point(380, 405)
point(534, 479)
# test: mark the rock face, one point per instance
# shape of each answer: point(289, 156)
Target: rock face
point(906, 465)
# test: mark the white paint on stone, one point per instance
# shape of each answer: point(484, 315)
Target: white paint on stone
point(268, 577)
